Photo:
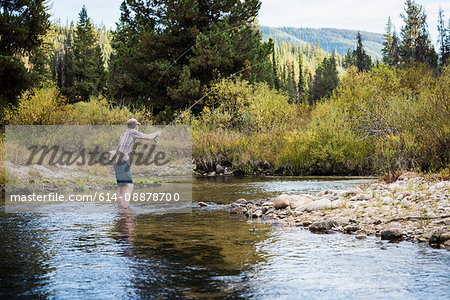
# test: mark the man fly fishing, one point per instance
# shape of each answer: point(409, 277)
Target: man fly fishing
point(122, 166)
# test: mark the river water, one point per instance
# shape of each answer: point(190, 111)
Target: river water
point(209, 254)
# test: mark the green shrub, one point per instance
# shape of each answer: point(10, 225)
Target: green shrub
point(44, 106)
point(98, 111)
point(47, 106)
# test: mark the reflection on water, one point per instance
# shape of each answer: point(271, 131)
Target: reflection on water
point(134, 254)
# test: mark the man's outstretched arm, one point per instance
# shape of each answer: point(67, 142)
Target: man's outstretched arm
point(150, 136)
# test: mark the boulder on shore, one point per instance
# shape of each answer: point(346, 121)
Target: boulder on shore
point(296, 201)
point(352, 191)
point(320, 204)
point(439, 237)
point(281, 201)
point(393, 233)
point(322, 226)
point(220, 169)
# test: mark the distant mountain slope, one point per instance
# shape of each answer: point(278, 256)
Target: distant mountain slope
point(329, 38)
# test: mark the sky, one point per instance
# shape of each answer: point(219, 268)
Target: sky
point(366, 15)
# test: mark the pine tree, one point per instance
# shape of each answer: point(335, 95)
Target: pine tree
point(325, 79)
point(274, 67)
point(349, 59)
point(416, 42)
point(301, 80)
point(23, 23)
point(88, 72)
point(67, 72)
point(363, 61)
point(40, 67)
point(443, 38)
point(167, 51)
point(394, 55)
point(293, 87)
point(388, 39)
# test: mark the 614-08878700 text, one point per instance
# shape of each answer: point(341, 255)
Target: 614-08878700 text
point(100, 197)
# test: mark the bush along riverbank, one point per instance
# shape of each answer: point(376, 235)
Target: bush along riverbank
point(414, 208)
point(387, 120)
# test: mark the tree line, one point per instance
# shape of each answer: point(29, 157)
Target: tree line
point(163, 55)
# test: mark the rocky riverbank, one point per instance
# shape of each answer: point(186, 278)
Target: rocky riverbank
point(414, 208)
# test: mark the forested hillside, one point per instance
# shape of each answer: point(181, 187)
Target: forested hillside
point(329, 39)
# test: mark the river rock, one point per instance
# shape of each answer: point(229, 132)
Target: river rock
point(315, 205)
point(351, 228)
point(439, 237)
point(361, 235)
point(360, 197)
point(281, 201)
point(387, 200)
point(323, 193)
point(202, 204)
point(393, 233)
point(352, 192)
point(343, 221)
point(322, 226)
point(220, 169)
point(257, 214)
point(401, 195)
point(440, 185)
point(408, 175)
point(312, 197)
point(239, 202)
point(268, 204)
point(238, 210)
point(270, 210)
point(296, 201)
